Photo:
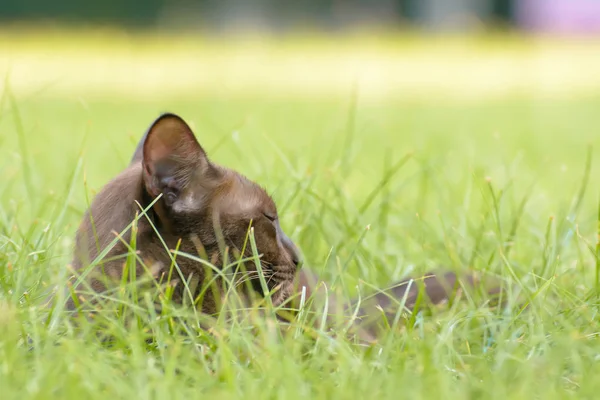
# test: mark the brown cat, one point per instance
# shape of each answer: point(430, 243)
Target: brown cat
point(200, 207)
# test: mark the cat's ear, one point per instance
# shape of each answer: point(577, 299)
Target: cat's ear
point(172, 158)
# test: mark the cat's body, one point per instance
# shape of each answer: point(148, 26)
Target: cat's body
point(200, 207)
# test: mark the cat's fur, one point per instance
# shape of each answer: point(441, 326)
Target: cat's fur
point(208, 209)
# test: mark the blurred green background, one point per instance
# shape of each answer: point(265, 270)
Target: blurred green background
point(270, 13)
point(320, 102)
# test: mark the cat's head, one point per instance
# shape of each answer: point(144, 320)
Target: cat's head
point(208, 202)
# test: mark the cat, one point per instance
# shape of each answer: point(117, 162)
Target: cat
point(197, 206)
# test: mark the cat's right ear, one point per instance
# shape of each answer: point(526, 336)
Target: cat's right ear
point(172, 158)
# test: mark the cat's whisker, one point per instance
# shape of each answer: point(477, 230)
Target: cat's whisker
point(266, 263)
point(251, 277)
point(242, 274)
point(247, 277)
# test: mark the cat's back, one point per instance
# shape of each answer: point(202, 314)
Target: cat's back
point(110, 212)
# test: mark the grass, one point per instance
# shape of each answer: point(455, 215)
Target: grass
point(373, 184)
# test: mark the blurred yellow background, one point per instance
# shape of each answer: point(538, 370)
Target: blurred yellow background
point(141, 65)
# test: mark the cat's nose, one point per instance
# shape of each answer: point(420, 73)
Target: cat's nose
point(293, 251)
point(297, 258)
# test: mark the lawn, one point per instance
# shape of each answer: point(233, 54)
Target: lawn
point(501, 135)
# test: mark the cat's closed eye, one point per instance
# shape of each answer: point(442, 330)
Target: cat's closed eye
point(270, 217)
